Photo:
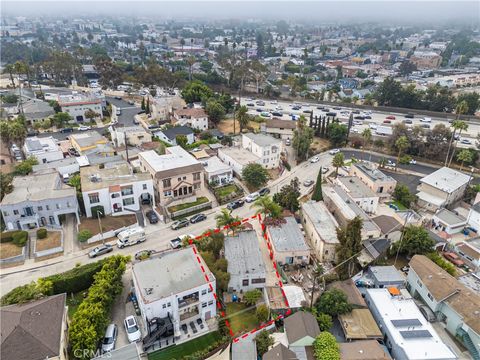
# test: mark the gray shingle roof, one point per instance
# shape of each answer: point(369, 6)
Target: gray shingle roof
point(300, 325)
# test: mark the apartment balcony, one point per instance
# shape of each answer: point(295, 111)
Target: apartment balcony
point(189, 314)
point(188, 300)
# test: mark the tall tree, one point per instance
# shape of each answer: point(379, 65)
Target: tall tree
point(461, 126)
point(255, 175)
point(317, 191)
point(6, 186)
point(243, 117)
point(338, 161)
point(401, 144)
point(302, 138)
point(462, 108)
point(350, 244)
point(415, 240)
point(464, 156)
point(288, 196)
point(367, 137)
point(265, 205)
point(215, 111)
point(225, 218)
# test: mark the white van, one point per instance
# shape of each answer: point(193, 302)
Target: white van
point(129, 237)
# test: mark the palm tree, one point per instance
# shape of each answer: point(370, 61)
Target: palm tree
point(243, 117)
point(461, 126)
point(367, 137)
point(463, 156)
point(402, 144)
point(190, 61)
point(462, 108)
point(338, 161)
point(182, 43)
point(225, 218)
point(9, 68)
point(265, 205)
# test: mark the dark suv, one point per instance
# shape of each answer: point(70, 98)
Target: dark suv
point(152, 216)
point(235, 204)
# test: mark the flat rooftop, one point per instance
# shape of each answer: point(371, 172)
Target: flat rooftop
point(170, 273)
point(372, 172)
point(446, 179)
point(240, 155)
point(262, 139)
point(243, 254)
point(323, 221)
point(35, 145)
point(94, 178)
point(214, 164)
point(288, 237)
point(359, 324)
point(355, 187)
point(407, 328)
point(175, 157)
point(37, 187)
point(449, 217)
point(387, 273)
point(88, 138)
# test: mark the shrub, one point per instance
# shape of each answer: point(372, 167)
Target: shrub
point(444, 264)
point(41, 233)
point(6, 236)
point(20, 238)
point(84, 235)
point(405, 159)
point(326, 347)
point(262, 313)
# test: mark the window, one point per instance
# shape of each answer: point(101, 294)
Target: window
point(258, 281)
point(430, 296)
point(196, 176)
point(169, 304)
point(419, 283)
point(5, 213)
point(204, 292)
point(184, 178)
point(47, 207)
point(210, 302)
point(210, 290)
point(39, 208)
point(245, 282)
point(167, 193)
point(128, 201)
point(127, 190)
point(167, 183)
point(58, 206)
point(179, 179)
point(144, 186)
point(15, 212)
point(69, 204)
point(204, 305)
point(93, 198)
point(164, 306)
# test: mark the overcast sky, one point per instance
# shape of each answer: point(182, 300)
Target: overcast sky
point(344, 11)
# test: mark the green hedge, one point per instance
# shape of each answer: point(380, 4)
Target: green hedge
point(42, 233)
point(84, 235)
point(20, 238)
point(8, 236)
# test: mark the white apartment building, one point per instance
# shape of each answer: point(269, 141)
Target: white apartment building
point(267, 148)
point(181, 291)
point(43, 149)
point(133, 135)
point(76, 105)
point(360, 193)
point(196, 118)
point(115, 189)
point(217, 171)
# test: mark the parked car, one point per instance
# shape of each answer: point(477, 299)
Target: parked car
point(287, 142)
point(334, 151)
point(407, 121)
point(197, 218)
point(359, 117)
point(179, 224)
point(235, 204)
point(387, 121)
point(151, 216)
point(465, 141)
point(453, 258)
point(143, 254)
point(391, 163)
point(412, 162)
point(325, 170)
point(426, 120)
point(66, 130)
point(109, 339)
point(425, 126)
point(84, 128)
point(129, 237)
point(367, 117)
point(252, 197)
point(132, 329)
point(308, 183)
point(307, 111)
point(333, 114)
point(250, 104)
point(277, 113)
point(176, 243)
point(390, 117)
point(264, 191)
point(314, 159)
point(100, 250)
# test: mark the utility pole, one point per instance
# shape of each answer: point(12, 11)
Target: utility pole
point(126, 145)
point(100, 225)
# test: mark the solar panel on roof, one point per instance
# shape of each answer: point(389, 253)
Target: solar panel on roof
point(406, 322)
point(414, 334)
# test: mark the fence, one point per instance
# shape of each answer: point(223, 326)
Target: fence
point(48, 252)
point(191, 210)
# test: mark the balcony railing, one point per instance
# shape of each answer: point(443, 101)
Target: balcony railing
point(189, 314)
point(187, 301)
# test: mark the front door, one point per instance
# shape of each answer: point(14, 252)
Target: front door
point(208, 315)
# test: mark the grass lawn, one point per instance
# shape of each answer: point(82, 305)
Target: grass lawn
point(52, 240)
point(200, 200)
point(240, 318)
point(73, 302)
point(226, 190)
point(399, 205)
point(179, 351)
point(9, 249)
point(108, 223)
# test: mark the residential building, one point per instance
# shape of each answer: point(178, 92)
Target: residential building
point(363, 350)
point(321, 230)
point(36, 110)
point(279, 352)
point(407, 334)
point(132, 135)
point(267, 148)
point(426, 60)
point(282, 129)
point(76, 105)
point(237, 158)
point(176, 174)
point(91, 142)
point(360, 193)
point(441, 188)
point(170, 135)
point(390, 227)
point(381, 184)
point(196, 118)
point(217, 171)
point(35, 330)
point(38, 200)
point(116, 190)
point(359, 324)
point(288, 243)
point(449, 222)
point(43, 149)
point(373, 249)
point(245, 262)
point(301, 330)
point(470, 253)
point(161, 105)
point(64, 167)
point(454, 304)
point(386, 276)
point(182, 291)
point(349, 288)
point(344, 209)
point(473, 218)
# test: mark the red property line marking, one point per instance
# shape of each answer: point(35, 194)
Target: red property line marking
point(219, 305)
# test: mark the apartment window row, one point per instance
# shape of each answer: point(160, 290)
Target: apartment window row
point(164, 306)
point(183, 191)
point(127, 190)
point(258, 281)
point(196, 176)
point(93, 198)
point(29, 211)
point(205, 304)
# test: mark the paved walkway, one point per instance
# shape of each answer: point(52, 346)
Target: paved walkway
point(70, 243)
